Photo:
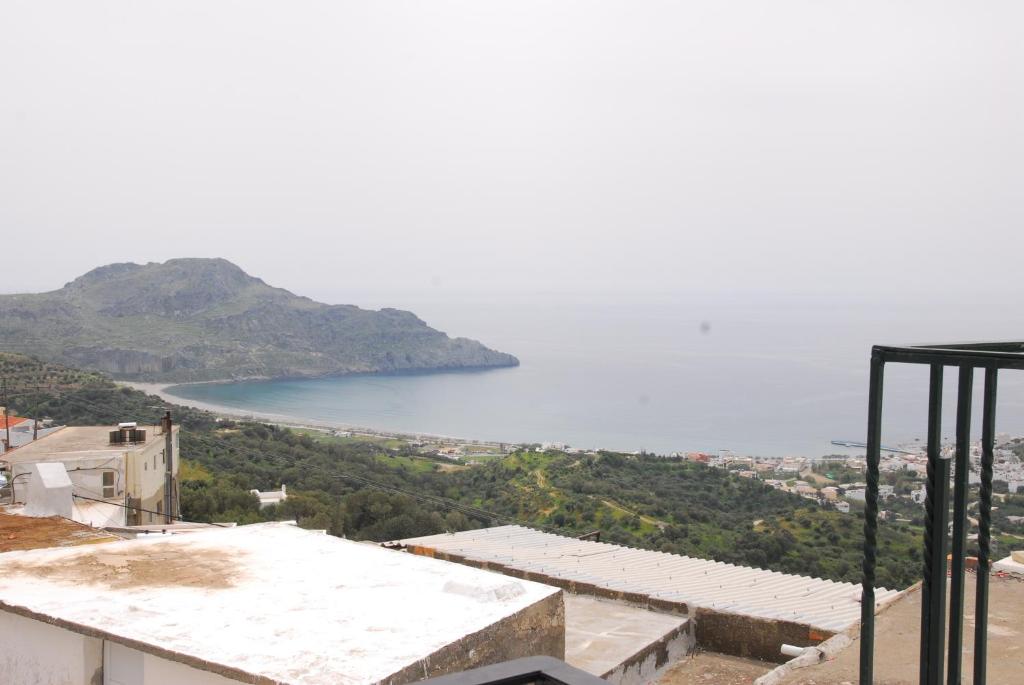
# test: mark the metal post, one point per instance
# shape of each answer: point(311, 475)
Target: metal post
point(965, 385)
point(874, 442)
point(988, 434)
point(933, 589)
point(168, 426)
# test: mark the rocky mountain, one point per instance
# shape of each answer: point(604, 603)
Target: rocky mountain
point(206, 319)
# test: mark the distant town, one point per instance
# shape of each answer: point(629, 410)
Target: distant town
point(833, 481)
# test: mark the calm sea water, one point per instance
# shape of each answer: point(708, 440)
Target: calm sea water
point(756, 375)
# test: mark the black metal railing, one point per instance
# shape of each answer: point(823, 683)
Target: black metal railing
point(991, 357)
point(532, 670)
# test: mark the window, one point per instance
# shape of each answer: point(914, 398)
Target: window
point(154, 462)
point(108, 485)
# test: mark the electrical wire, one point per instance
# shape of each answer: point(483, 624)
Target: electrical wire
point(148, 511)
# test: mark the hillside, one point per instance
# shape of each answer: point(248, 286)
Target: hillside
point(380, 491)
point(206, 319)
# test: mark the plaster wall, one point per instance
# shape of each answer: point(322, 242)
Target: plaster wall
point(35, 652)
point(86, 475)
point(146, 469)
point(127, 666)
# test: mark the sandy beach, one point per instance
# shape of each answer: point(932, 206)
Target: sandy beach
point(161, 391)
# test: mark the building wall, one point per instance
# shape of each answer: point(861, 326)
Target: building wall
point(140, 668)
point(146, 468)
point(35, 652)
point(86, 474)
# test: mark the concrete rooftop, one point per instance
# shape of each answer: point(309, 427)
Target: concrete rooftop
point(79, 441)
point(602, 635)
point(272, 600)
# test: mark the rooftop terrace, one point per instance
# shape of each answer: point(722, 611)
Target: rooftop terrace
point(78, 441)
point(272, 603)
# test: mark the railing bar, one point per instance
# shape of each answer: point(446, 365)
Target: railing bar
point(933, 597)
point(874, 443)
point(988, 432)
point(965, 385)
point(1003, 360)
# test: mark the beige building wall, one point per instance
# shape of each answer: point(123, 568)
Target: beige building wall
point(146, 467)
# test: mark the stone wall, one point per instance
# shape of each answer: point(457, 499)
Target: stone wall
point(538, 630)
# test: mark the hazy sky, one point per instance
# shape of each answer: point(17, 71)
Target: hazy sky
point(342, 149)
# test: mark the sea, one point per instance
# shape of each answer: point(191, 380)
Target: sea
point(754, 374)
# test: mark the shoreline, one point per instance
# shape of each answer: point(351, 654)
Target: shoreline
point(161, 390)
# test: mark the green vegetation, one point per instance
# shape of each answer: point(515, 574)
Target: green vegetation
point(206, 319)
point(368, 489)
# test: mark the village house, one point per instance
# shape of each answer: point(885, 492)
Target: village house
point(856, 494)
point(271, 497)
point(119, 475)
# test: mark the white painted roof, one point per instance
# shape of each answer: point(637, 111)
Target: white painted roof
point(1008, 565)
point(267, 599)
point(822, 604)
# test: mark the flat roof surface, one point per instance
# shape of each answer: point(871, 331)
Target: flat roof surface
point(77, 440)
point(273, 600)
point(601, 634)
point(27, 532)
point(822, 604)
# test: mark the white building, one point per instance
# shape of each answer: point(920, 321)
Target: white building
point(858, 495)
point(196, 609)
point(119, 475)
point(271, 496)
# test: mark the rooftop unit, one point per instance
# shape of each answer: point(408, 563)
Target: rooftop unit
point(127, 434)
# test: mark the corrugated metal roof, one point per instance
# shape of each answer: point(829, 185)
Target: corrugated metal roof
point(821, 604)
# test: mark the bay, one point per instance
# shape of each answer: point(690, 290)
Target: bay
point(755, 374)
